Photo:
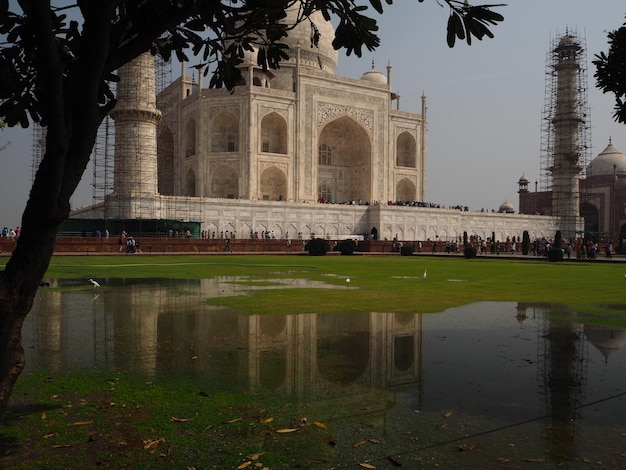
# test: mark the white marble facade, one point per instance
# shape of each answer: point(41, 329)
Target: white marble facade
point(295, 150)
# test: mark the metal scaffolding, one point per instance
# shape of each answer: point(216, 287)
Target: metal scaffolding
point(549, 111)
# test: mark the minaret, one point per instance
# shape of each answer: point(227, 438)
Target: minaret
point(136, 116)
point(566, 167)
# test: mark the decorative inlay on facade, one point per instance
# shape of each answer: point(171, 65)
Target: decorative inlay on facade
point(234, 109)
point(408, 130)
point(327, 111)
point(264, 165)
point(235, 164)
point(265, 110)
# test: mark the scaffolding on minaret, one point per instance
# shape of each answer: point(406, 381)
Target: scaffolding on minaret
point(565, 129)
point(549, 111)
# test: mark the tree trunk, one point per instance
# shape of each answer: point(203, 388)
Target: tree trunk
point(11, 352)
point(18, 287)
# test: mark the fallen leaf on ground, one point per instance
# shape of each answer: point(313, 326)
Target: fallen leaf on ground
point(320, 425)
point(374, 440)
point(59, 446)
point(151, 444)
point(255, 456)
point(447, 414)
point(267, 420)
point(181, 420)
point(81, 423)
point(43, 415)
point(366, 465)
point(282, 431)
point(244, 465)
point(232, 421)
point(358, 444)
point(48, 436)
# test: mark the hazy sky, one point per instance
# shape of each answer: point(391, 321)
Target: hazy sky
point(484, 101)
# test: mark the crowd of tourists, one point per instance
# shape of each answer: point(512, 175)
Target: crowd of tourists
point(11, 233)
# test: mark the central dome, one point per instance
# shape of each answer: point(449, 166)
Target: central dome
point(300, 35)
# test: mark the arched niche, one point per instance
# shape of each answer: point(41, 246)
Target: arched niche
point(273, 134)
point(165, 162)
point(190, 183)
point(592, 217)
point(224, 132)
point(405, 190)
point(224, 183)
point(273, 184)
point(349, 161)
point(406, 151)
point(343, 347)
point(190, 138)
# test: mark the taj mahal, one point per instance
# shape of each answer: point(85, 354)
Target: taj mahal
point(297, 150)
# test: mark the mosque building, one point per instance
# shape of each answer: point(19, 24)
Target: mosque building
point(602, 196)
point(295, 151)
point(595, 191)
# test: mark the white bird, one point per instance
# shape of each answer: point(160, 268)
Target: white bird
point(348, 282)
point(95, 283)
point(424, 275)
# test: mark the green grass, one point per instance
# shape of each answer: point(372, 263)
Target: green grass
point(378, 283)
point(117, 420)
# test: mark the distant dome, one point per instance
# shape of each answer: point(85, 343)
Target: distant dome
point(374, 76)
point(523, 180)
point(608, 161)
point(506, 208)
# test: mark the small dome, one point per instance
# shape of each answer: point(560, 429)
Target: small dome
point(374, 76)
point(608, 162)
point(523, 180)
point(506, 208)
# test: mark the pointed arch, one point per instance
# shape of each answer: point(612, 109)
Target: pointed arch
point(405, 190)
point(224, 133)
point(406, 151)
point(224, 183)
point(273, 184)
point(165, 162)
point(592, 217)
point(348, 163)
point(190, 183)
point(190, 138)
point(274, 134)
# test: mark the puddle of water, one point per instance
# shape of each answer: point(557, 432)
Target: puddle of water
point(509, 376)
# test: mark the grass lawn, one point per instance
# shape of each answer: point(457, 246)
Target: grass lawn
point(377, 283)
point(115, 420)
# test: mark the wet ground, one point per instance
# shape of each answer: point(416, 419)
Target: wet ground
point(499, 383)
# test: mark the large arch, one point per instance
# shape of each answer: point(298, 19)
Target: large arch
point(347, 160)
point(405, 190)
point(406, 151)
point(165, 162)
point(592, 217)
point(273, 184)
point(190, 138)
point(343, 347)
point(224, 132)
point(224, 183)
point(190, 183)
point(273, 134)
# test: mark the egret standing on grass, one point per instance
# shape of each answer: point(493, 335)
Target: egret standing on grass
point(424, 275)
point(95, 283)
point(348, 282)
